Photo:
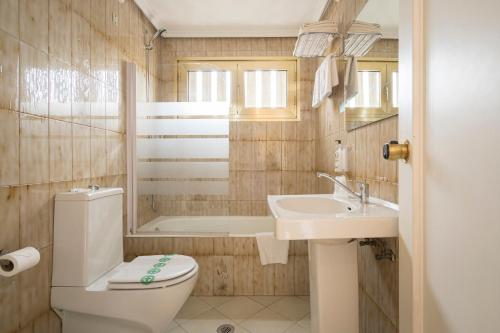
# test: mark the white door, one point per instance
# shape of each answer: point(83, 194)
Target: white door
point(450, 191)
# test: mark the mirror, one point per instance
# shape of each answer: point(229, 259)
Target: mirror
point(377, 72)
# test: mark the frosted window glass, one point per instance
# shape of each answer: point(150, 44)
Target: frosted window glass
point(209, 86)
point(369, 91)
point(182, 148)
point(182, 127)
point(265, 88)
point(183, 170)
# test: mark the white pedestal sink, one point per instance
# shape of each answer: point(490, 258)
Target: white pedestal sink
point(329, 222)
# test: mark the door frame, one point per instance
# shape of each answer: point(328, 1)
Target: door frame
point(412, 175)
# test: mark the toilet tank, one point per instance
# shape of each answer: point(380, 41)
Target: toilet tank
point(88, 235)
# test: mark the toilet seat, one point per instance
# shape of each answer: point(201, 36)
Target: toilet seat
point(149, 272)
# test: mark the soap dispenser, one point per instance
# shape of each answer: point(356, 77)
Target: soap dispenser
point(341, 158)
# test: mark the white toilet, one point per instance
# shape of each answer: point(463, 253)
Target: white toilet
point(93, 290)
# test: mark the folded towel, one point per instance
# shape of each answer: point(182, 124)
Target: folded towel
point(358, 27)
point(314, 38)
point(271, 250)
point(351, 79)
point(325, 80)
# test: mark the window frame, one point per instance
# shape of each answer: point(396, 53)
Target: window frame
point(369, 115)
point(237, 66)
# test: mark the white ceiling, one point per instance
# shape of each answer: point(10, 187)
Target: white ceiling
point(383, 12)
point(231, 18)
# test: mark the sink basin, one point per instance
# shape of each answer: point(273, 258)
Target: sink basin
point(326, 216)
point(329, 222)
point(313, 205)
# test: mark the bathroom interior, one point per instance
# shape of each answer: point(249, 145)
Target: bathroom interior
point(245, 167)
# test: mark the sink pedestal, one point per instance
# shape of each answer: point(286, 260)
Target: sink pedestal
point(333, 269)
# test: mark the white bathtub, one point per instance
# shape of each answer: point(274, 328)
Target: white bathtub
point(209, 226)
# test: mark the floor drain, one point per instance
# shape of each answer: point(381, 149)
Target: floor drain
point(226, 328)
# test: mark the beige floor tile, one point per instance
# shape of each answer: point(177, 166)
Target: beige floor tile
point(267, 321)
point(191, 309)
point(291, 307)
point(177, 329)
point(240, 308)
point(266, 300)
point(206, 322)
point(305, 322)
point(297, 329)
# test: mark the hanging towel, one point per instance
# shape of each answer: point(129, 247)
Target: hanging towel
point(351, 79)
point(325, 80)
point(272, 250)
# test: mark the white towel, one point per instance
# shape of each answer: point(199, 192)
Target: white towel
point(351, 79)
point(325, 80)
point(272, 250)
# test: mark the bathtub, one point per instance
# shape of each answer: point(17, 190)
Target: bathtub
point(208, 226)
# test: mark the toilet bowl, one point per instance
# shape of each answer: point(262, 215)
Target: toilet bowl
point(93, 290)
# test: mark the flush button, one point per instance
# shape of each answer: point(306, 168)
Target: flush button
point(396, 151)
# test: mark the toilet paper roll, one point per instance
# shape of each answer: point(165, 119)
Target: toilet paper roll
point(15, 262)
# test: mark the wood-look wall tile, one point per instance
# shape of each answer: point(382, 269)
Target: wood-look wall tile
point(35, 216)
point(81, 152)
point(34, 288)
point(183, 245)
point(273, 155)
point(9, 224)
point(34, 149)
point(289, 157)
point(301, 275)
point(223, 276)
point(223, 246)
point(9, 80)
point(9, 146)
point(9, 17)
point(284, 283)
point(9, 304)
point(33, 81)
point(34, 23)
point(243, 275)
point(243, 246)
point(389, 192)
point(373, 151)
point(205, 283)
point(203, 246)
point(361, 153)
point(263, 277)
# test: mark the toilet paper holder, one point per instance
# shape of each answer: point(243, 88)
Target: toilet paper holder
point(6, 265)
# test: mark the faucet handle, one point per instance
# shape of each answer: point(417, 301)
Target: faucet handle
point(364, 191)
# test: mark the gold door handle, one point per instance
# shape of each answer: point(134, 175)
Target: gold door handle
point(396, 151)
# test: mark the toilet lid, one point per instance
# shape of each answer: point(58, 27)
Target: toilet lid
point(151, 269)
point(153, 285)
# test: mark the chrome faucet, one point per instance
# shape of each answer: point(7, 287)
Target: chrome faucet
point(363, 188)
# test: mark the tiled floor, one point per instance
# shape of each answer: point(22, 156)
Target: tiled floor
point(252, 314)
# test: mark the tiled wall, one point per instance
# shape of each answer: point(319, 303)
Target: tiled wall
point(378, 280)
point(62, 125)
point(231, 265)
point(265, 158)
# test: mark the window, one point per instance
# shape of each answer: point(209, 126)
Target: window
point(377, 96)
point(257, 89)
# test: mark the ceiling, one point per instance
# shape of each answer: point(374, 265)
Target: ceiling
point(383, 12)
point(231, 18)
